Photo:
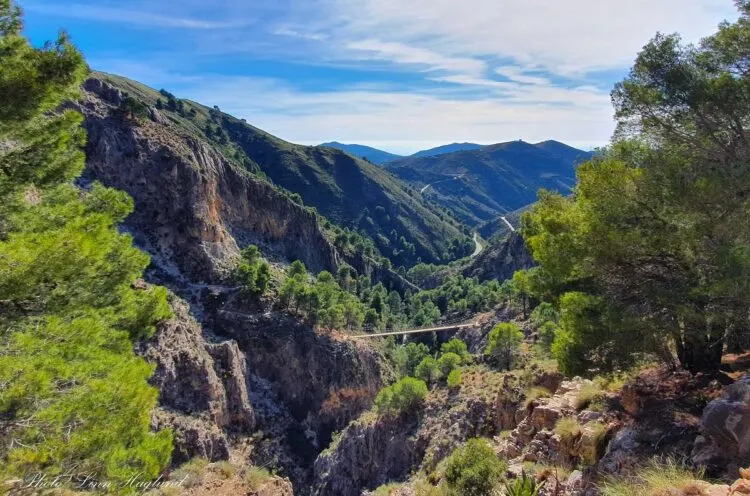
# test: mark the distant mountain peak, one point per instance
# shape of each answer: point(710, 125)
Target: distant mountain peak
point(482, 183)
point(451, 148)
point(362, 151)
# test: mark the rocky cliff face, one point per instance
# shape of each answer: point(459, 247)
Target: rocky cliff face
point(322, 382)
point(374, 450)
point(193, 209)
point(203, 389)
point(724, 443)
point(657, 414)
point(239, 382)
point(261, 385)
point(501, 260)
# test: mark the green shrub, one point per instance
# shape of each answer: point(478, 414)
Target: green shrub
point(428, 370)
point(544, 313)
point(458, 347)
point(405, 358)
point(131, 108)
point(504, 344)
point(547, 333)
point(524, 486)
point(474, 469)
point(403, 397)
point(191, 472)
point(454, 379)
point(252, 273)
point(448, 362)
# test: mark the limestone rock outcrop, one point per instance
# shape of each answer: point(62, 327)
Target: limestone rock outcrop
point(193, 208)
point(724, 439)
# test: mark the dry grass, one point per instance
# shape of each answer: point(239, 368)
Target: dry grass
point(387, 489)
point(568, 429)
point(534, 394)
point(192, 471)
point(225, 469)
point(588, 394)
point(658, 479)
point(424, 488)
point(548, 472)
point(255, 476)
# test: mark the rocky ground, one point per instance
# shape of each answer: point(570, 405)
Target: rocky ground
point(579, 436)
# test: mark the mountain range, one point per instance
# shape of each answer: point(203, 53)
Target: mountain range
point(364, 152)
point(381, 157)
point(482, 184)
point(350, 193)
point(411, 209)
point(442, 150)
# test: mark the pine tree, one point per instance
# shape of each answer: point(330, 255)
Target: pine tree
point(74, 395)
point(652, 252)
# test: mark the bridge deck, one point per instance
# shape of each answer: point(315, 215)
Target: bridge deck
point(417, 331)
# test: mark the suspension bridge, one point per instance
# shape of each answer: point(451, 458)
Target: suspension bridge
point(452, 326)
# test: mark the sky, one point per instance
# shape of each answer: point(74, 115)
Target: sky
point(399, 75)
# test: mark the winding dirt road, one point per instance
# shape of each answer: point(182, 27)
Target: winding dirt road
point(507, 223)
point(478, 246)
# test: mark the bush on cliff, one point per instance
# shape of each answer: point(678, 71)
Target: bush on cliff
point(403, 397)
point(503, 344)
point(474, 469)
point(447, 362)
point(428, 370)
point(252, 273)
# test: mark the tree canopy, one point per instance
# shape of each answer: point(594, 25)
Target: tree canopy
point(74, 396)
point(652, 251)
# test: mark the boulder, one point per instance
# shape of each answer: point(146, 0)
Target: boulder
point(193, 437)
point(546, 416)
point(630, 401)
point(624, 452)
point(724, 441)
point(548, 380)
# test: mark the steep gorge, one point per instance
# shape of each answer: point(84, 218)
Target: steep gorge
point(193, 208)
point(234, 381)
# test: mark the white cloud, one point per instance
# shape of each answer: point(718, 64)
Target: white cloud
point(404, 54)
point(515, 74)
point(482, 70)
point(293, 33)
point(130, 16)
point(405, 122)
point(565, 37)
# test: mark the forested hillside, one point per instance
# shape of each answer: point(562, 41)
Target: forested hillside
point(349, 192)
point(651, 253)
point(481, 184)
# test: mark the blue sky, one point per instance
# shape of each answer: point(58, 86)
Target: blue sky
point(394, 74)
